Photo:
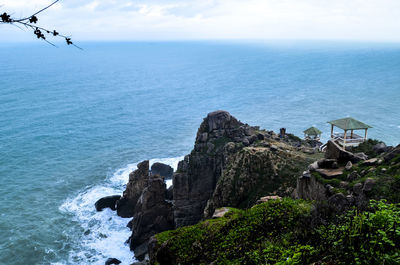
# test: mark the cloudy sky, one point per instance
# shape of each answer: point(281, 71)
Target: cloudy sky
point(365, 20)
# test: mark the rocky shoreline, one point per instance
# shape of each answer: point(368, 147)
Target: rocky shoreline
point(236, 165)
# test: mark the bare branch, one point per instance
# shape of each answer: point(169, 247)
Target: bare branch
point(30, 22)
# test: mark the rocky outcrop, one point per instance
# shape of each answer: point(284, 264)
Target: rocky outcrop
point(253, 172)
point(138, 180)
point(153, 214)
point(233, 164)
point(199, 172)
point(334, 151)
point(392, 153)
point(107, 202)
point(163, 170)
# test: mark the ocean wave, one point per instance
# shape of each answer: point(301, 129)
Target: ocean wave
point(103, 234)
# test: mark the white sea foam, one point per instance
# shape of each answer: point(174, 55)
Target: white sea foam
point(104, 233)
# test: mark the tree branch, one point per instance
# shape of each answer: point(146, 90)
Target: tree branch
point(30, 22)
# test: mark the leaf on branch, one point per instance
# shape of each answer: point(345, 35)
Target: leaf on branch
point(55, 33)
point(68, 40)
point(6, 18)
point(33, 19)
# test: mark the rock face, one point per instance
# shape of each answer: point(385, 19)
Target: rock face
point(153, 214)
point(107, 202)
point(163, 170)
point(137, 182)
point(253, 172)
point(199, 172)
point(232, 164)
point(308, 188)
point(334, 151)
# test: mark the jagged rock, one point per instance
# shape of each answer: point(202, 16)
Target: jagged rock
point(380, 148)
point(107, 202)
point(111, 261)
point(137, 182)
point(334, 151)
point(369, 184)
point(339, 201)
point(310, 189)
point(163, 170)
point(221, 120)
point(349, 165)
point(392, 153)
point(254, 172)
point(153, 214)
point(220, 212)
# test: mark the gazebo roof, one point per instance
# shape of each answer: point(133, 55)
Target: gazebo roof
point(312, 131)
point(349, 124)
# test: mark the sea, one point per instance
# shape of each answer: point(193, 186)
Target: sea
point(74, 123)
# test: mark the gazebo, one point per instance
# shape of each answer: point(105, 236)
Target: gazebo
point(348, 124)
point(312, 133)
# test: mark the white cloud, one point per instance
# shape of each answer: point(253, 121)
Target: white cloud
point(218, 19)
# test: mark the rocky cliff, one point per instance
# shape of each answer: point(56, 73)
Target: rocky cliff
point(345, 178)
point(232, 164)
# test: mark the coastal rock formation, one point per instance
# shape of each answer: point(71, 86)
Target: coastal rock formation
point(153, 214)
point(138, 180)
point(253, 172)
point(233, 164)
point(350, 183)
point(334, 151)
point(198, 173)
point(107, 202)
point(163, 170)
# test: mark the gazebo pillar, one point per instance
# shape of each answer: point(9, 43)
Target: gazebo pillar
point(366, 131)
point(331, 130)
point(351, 136)
point(344, 138)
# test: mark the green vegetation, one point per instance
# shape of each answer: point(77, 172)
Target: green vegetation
point(287, 232)
point(367, 147)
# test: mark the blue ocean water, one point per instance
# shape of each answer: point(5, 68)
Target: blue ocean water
point(74, 123)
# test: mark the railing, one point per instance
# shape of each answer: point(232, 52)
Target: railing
point(351, 140)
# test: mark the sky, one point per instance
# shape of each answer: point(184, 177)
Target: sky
point(130, 20)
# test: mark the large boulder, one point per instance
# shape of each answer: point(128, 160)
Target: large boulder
point(334, 151)
point(392, 153)
point(138, 180)
point(163, 170)
point(107, 202)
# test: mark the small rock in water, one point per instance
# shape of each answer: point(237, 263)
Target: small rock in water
point(107, 202)
point(111, 261)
